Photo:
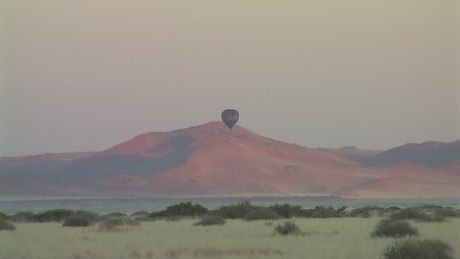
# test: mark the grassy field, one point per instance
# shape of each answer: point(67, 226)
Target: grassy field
point(322, 238)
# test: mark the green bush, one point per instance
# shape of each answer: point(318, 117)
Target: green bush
point(75, 221)
point(113, 215)
point(58, 215)
point(417, 215)
point(210, 219)
point(261, 213)
point(5, 225)
point(323, 212)
point(286, 210)
point(81, 219)
point(142, 216)
point(94, 217)
point(394, 228)
point(288, 228)
point(235, 211)
point(407, 214)
point(172, 218)
point(447, 212)
point(23, 217)
point(437, 218)
point(3, 216)
point(366, 212)
point(112, 223)
point(419, 249)
point(411, 213)
point(181, 210)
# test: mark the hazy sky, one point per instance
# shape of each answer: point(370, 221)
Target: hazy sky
point(86, 75)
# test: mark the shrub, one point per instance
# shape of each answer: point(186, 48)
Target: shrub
point(235, 211)
point(394, 228)
point(2, 216)
point(323, 212)
point(210, 219)
point(448, 212)
point(410, 214)
point(261, 213)
point(110, 224)
point(286, 210)
point(417, 215)
point(113, 215)
point(181, 210)
point(113, 221)
point(87, 214)
point(172, 218)
point(288, 228)
point(360, 212)
point(23, 217)
point(406, 214)
point(438, 218)
point(54, 215)
point(5, 225)
point(366, 212)
point(419, 249)
point(141, 216)
point(127, 221)
point(81, 219)
point(75, 221)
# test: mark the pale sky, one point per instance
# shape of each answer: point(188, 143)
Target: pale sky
point(86, 75)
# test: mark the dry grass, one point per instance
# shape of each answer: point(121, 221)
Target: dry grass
point(325, 238)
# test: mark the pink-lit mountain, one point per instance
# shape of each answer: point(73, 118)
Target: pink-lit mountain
point(212, 160)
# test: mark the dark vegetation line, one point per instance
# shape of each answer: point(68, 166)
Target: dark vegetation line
point(247, 211)
point(395, 222)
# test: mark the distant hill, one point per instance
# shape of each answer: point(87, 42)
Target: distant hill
point(430, 154)
point(354, 154)
point(212, 160)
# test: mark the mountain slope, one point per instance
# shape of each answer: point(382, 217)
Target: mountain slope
point(212, 160)
point(429, 154)
point(208, 159)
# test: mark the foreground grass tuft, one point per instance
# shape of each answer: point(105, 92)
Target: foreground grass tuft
point(288, 228)
point(419, 249)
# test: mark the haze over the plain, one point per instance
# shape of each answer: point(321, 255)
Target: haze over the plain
point(84, 75)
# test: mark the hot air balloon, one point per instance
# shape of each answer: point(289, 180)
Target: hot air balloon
point(230, 117)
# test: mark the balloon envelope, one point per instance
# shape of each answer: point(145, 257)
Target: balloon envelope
point(230, 117)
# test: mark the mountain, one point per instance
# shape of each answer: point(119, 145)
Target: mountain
point(353, 153)
point(210, 159)
point(32, 174)
point(429, 154)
